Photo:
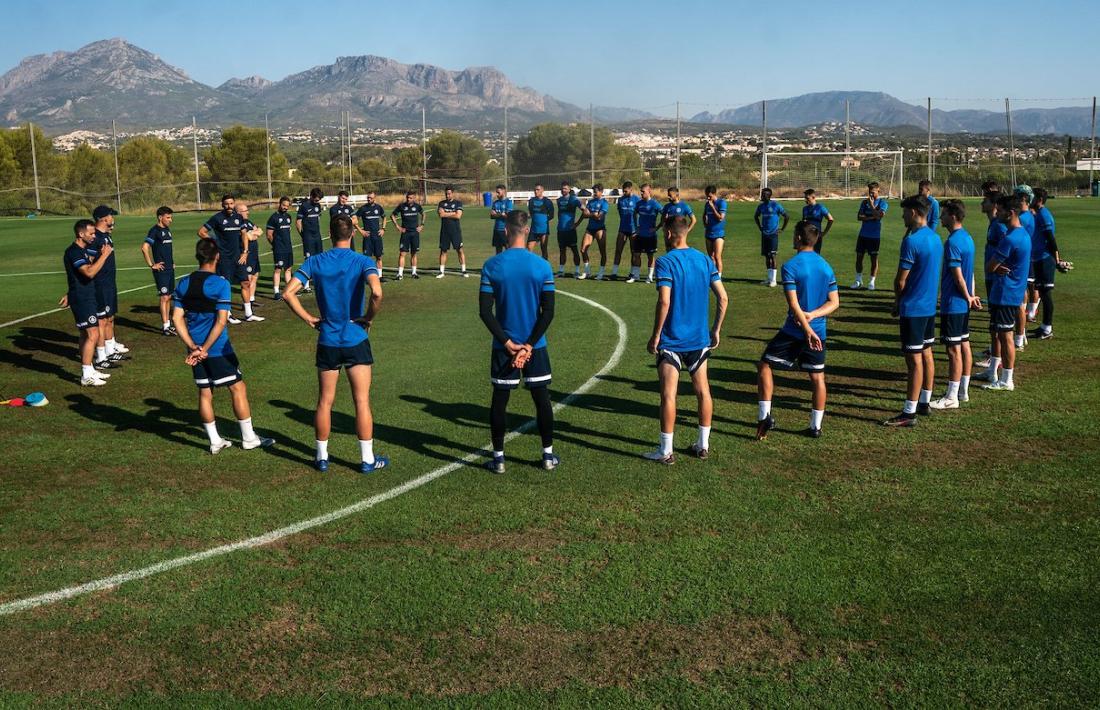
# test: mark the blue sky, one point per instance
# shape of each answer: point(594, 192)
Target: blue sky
point(639, 54)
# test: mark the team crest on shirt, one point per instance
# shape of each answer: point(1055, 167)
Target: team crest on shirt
point(236, 221)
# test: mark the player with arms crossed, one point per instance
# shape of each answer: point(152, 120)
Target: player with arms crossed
point(595, 211)
point(1010, 262)
point(498, 211)
point(410, 227)
point(450, 231)
point(108, 350)
point(957, 297)
point(201, 305)
point(871, 212)
point(282, 252)
point(768, 214)
point(81, 272)
point(648, 219)
point(341, 275)
point(625, 205)
point(157, 250)
point(681, 340)
point(714, 225)
point(308, 224)
point(370, 223)
point(815, 213)
point(516, 304)
point(568, 204)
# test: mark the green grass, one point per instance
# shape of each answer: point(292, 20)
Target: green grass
point(951, 564)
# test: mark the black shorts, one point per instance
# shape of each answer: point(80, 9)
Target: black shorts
point(786, 352)
point(1044, 273)
point(955, 328)
point(625, 236)
point(372, 246)
point(1031, 273)
point(644, 245)
point(537, 237)
point(567, 238)
point(85, 313)
point(769, 244)
point(500, 239)
point(410, 242)
point(217, 371)
point(818, 243)
point(536, 373)
point(592, 230)
point(867, 245)
point(311, 246)
point(449, 241)
point(917, 333)
point(330, 357)
point(283, 259)
point(252, 266)
point(230, 270)
point(688, 360)
point(106, 299)
point(1002, 319)
point(165, 281)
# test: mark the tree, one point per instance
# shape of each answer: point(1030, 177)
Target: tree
point(238, 163)
point(554, 149)
point(373, 172)
point(409, 165)
point(154, 172)
point(455, 153)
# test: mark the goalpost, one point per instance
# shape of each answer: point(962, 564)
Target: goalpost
point(833, 174)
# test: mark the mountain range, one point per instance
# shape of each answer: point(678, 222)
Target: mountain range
point(115, 80)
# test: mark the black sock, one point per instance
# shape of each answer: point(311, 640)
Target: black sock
point(498, 417)
point(544, 413)
point(1048, 307)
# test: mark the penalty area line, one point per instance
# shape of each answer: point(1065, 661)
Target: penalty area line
point(267, 538)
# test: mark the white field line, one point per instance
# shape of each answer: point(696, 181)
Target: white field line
point(57, 273)
point(303, 525)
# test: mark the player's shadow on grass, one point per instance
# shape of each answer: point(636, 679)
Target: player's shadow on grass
point(136, 325)
point(30, 362)
point(42, 340)
point(867, 320)
point(144, 309)
point(839, 343)
point(164, 422)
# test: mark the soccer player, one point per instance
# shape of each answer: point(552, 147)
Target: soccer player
point(498, 210)
point(676, 208)
point(1010, 262)
point(108, 350)
point(410, 227)
point(343, 339)
point(1044, 258)
point(871, 212)
point(595, 211)
point(81, 271)
point(157, 250)
point(681, 340)
point(915, 289)
point(282, 252)
point(1025, 194)
point(815, 213)
point(342, 207)
point(370, 222)
point(648, 218)
point(810, 288)
point(541, 209)
point(224, 228)
point(996, 229)
point(625, 205)
point(957, 297)
point(768, 214)
point(924, 188)
point(308, 224)
point(516, 303)
point(251, 235)
point(714, 225)
point(202, 302)
point(568, 204)
point(450, 231)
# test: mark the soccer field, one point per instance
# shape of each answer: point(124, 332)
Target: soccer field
point(954, 563)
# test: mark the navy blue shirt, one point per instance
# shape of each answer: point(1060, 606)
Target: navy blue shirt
point(338, 210)
point(810, 276)
point(409, 214)
point(646, 214)
point(541, 210)
point(503, 206)
point(226, 229)
point(160, 241)
point(107, 274)
point(714, 227)
point(81, 288)
point(872, 229)
point(1014, 251)
point(339, 277)
point(689, 274)
point(199, 325)
point(958, 252)
point(310, 214)
point(279, 224)
point(371, 216)
point(517, 279)
point(921, 255)
point(769, 213)
point(626, 205)
point(567, 212)
point(450, 227)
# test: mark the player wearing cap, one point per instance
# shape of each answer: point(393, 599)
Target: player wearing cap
point(308, 224)
point(541, 209)
point(714, 225)
point(1044, 259)
point(767, 217)
point(872, 210)
point(450, 231)
point(410, 227)
point(625, 205)
point(818, 215)
point(157, 251)
point(282, 252)
point(957, 297)
point(498, 210)
point(370, 222)
point(595, 211)
point(224, 228)
point(201, 305)
point(81, 271)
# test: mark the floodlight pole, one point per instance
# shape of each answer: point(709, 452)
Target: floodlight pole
point(267, 142)
point(1011, 142)
point(677, 145)
point(34, 168)
point(764, 146)
point(1092, 148)
point(847, 147)
point(424, 149)
point(343, 153)
point(931, 167)
point(351, 172)
point(195, 146)
point(118, 180)
point(591, 147)
point(505, 146)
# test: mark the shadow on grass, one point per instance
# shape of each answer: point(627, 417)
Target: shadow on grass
point(137, 325)
point(163, 422)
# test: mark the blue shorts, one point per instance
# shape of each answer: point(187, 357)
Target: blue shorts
point(106, 298)
point(536, 373)
point(1002, 319)
point(769, 244)
point(592, 229)
point(165, 281)
point(917, 333)
point(230, 270)
point(786, 352)
point(712, 237)
point(217, 371)
point(450, 241)
point(330, 357)
point(85, 313)
point(253, 263)
point(867, 245)
point(537, 236)
point(955, 328)
point(644, 245)
point(689, 360)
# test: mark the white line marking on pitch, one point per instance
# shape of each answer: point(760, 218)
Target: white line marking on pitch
point(303, 525)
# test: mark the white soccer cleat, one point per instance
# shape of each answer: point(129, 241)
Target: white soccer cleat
point(1000, 387)
point(260, 442)
point(871, 287)
point(439, 276)
point(234, 321)
point(857, 285)
point(631, 280)
point(92, 381)
point(223, 444)
point(582, 276)
point(254, 319)
point(120, 348)
point(986, 375)
point(465, 275)
point(944, 403)
point(659, 456)
point(772, 284)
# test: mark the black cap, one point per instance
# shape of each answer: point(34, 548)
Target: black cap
point(102, 211)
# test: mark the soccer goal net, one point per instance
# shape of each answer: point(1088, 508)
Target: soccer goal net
point(833, 174)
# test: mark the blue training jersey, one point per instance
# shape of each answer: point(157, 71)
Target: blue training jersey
point(933, 220)
point(279, 224)
point(769, 213)
point(812, 279)
point(339, 277)
point(714, 225)
point(646, 213)
point(1014, 251)
point(597, 207)
point(676, 209)
point(567, 212)
point(310, 214)
point(517, 279)
point(958, 252)
point(872, 229)
point(625, 206)
point(689, 274)
point(815, 214)
point(199, 324)
point(1027, 221)
point(993, 236)
point(541, 210)
point(921, 255)
point(503, 207)
point(1044, 234)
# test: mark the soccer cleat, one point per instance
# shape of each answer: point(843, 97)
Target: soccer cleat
point(416, 276)
point(169, 331)
point(870, 287)
point(902, 420)
point(223, 444)
point(999, 386)
point(321, 465)
point(495, 464)
point(439, 276)
point(648, 280)
point(763, 427)
point(944, 403)
point(660, 457)
point(1040, 334)
point(582, 276)
point(465, 274)
point(699, 452)
point(924, 409)
point(988, 375)
point(812, 433)
point(107, 365)
point(631, 280)
point(379, 462)
point(92, 381)
point(984, 362)
point(772, 284)
point(117, 357)
point(1031, 317)
point(399, 277)
point(550, 461)
point(599, 278)
point(260, 442)
point(120, 348)
point(254, 319)
point(307, 289)
point(234, 321)
point(964, 396)
point(857, 286)
point(278, 297)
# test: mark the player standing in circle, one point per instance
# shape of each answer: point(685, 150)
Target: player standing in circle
point(996, 231)
point(81, 272)
point(342, 208)
point(915, 289)
point(450, 231)
point(676, 208)
point(1045, 257)
point(157, 250)
point(498, 210)
point(541, 209)
point(568, 204)
point(1010, 262)
point(410, 227)
point(370, 222)
point(341, 275)
point(225, 228)
point(625, 205)
point(714, 225)
point(308, 224)
point(282, 252)
point(681, 340)
point(1025, 195)
point(251, 235)
point(957, 297)
point(767, 217)
point(871, 211)
point(815, 213)
point(516, 303)
point(595, 211)
point(202, 302)
point(924, 187)
point(648, 218)
point(810, 288)
point(108, 350)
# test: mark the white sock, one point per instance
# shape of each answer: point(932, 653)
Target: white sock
point(652, 270)
point(247, 309)
point(1006, 376)
point(703, 442)
point(276, 290)
point(636, 271)
point(100, 354)
point(952, 390)
point(859, 278)
point(994, 364)
point(1020, 340)
point(816, 417)
point(910, 407)
point(666, 443)
point(600, 272)
point(414, 271)
point(87, 371)
point(247, 432)
point(871, 282)
point(964, 385)
point(442, 269)
point(111, 343)
point(771, 276)
point(366, 450)
point(322, 450)
point(498, 454)
point(463, 268)
point(561, 269)
point(549, 450)
point(400, 270)
point(212, 432)
point(764, 408)
point(925, 396)
point(1032, 308)
point(615, 270)
point(165, 326)
point(587, 268)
